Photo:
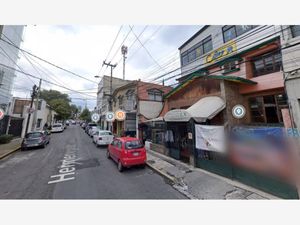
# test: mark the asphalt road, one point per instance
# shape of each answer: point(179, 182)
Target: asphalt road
point(26, 174)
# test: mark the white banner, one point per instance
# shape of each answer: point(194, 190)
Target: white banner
point(210, 138)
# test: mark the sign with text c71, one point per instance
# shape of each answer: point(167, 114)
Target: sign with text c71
point(221, 52)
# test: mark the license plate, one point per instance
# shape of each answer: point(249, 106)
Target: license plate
point(135, 154)
point(32, 145)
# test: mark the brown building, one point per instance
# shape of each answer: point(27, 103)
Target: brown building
point(140, 101)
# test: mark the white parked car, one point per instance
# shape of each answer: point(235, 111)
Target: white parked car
point(57, 127)
point(92, 131)
point(103, 137)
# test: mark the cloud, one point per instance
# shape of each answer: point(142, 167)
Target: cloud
point(82, 50)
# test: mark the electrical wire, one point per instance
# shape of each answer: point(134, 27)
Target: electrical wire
point(50, 63)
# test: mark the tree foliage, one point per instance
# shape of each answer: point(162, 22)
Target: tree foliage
point(85, 115)
point(59, 102)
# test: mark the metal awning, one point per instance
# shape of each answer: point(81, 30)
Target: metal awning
point(205, 108)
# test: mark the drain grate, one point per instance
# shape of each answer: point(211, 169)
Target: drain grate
point(88, 163)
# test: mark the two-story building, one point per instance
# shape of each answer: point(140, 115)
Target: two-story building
point(221, 67)
point(106, 87)
point(291, 68)
point(140, 101)
point(18, 116)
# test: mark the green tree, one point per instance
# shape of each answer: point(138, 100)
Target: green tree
point(85, 115)
point(62, 108)
point(59, 102)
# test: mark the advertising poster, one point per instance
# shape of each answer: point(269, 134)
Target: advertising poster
point(210, 138)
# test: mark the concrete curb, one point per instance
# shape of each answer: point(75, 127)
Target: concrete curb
point(172, 179)
point(10, 152)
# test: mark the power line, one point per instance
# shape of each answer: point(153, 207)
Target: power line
point(134, 42)
point(117, 50)
point(112, 46)
point(251, 33)
point(145, 48)
point(14, 63)
point(44, 80)
point(52, 64)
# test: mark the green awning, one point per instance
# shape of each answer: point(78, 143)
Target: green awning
point(196, 75)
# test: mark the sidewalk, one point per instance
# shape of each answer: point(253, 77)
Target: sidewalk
point(196, 183)
point(6, 149)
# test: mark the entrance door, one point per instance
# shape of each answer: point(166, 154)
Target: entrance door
point(178, 148)
point(15, 127)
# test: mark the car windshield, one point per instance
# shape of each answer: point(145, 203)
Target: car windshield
point(134, 144)
point(34, 135)
point(56, 125)
point(105, 133)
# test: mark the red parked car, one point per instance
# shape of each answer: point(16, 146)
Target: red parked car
point(127, 151)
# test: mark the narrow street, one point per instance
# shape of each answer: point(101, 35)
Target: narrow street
point(27, 174)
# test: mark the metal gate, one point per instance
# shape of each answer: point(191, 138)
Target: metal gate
point(16, 125)
point(3, 125)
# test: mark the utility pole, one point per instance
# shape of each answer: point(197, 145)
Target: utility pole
point(31, 104)
point(36, 106)
point(124, 51)
point(112, 66)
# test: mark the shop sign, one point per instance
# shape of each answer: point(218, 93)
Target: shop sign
point(210, 138)
point(109, 116)
point(120, 115)
point(221, 52)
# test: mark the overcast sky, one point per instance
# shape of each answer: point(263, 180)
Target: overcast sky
point(82, 50)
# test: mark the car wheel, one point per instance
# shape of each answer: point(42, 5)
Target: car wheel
point(44, 145)
point(23, 149)
point(107, 154)
point(120, 166)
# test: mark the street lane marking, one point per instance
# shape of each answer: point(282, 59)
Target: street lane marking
point(67, 169)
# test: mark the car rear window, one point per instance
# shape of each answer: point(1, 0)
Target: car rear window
point(133, 144)
point(34, 135)
point(56, 125)
point(92, 125)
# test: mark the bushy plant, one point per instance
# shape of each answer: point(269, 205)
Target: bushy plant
point(6, 138)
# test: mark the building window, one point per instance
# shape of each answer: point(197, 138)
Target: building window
point(155, 95)
point(295, 30)
point(207, 45)
point(267, 63)
point(232, 31)
point(267, 109)
point(120, 102)
point(40, 105)
point(196, 51)
point(39, 122)
point(1, 77)
point(229, 66)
